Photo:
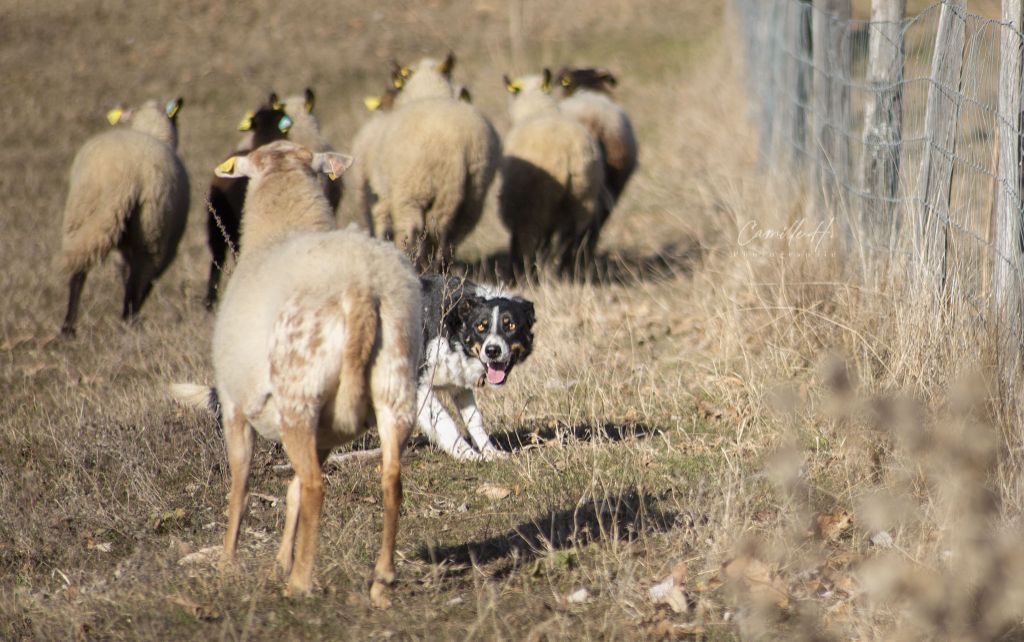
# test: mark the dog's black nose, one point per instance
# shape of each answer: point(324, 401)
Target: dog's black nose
point(492, 351)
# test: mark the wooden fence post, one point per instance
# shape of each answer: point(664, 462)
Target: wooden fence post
point(1008, 260)
point(792, 83)
point(883, 113)
point(943, 109)
point(831, 169)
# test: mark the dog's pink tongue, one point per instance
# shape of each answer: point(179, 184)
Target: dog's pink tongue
point(495, 376)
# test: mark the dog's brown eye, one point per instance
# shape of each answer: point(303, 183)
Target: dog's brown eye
point(511, 326)
point(481, 327)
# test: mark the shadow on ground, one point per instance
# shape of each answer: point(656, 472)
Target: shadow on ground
point(619, 267)
point(532, 435)
point(622, 517)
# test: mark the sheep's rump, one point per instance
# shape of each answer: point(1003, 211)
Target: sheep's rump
point(551, 166)
point(327, 267)
point(115, 176)
point(611, 126)
point(437, 156)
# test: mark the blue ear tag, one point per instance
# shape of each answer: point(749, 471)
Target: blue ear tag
point(171, 108)
point(284, 124)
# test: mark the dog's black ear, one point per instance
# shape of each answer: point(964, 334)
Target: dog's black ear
point(458, 309)
point(530, 315)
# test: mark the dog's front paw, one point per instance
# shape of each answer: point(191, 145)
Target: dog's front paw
point(465, 452)
point(490, 453)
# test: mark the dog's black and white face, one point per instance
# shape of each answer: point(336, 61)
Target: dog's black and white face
point(498, 331)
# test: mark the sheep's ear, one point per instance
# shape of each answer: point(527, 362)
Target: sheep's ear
point(245, 124)
point(372, 102)
point(331, 163)
point(448, 64)
point(274, 101)
point(235, 167)
point(606, 76)
point(310, 100)
point(545, 85)
point(114, 115)
point(464, 95)
point(513, 86)
point(399, 74)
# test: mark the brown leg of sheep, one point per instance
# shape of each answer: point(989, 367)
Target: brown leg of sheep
point(298, 436)
point(392, 436)
point(286, 553)
point(238, 437)
point(74, 295)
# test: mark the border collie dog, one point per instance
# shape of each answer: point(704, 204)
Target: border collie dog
point(474, 336)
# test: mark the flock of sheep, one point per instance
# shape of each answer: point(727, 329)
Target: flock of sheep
point(330, 320)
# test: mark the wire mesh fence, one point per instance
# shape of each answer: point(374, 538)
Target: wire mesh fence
point(894, 124)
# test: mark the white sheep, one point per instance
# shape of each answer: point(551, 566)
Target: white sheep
point(586, 96)
point(128, 190)
point(552, 180)
point(317, 336)
point(436, 158)
point(361, 198)
point(305, 131)
point(428, 78)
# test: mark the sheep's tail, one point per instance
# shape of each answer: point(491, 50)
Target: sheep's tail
point(196, 396)
point(94, 220)
point(361, 318)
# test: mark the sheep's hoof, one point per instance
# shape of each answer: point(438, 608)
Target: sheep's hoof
point(377, 597)
point(67, 331)
point(298, 588)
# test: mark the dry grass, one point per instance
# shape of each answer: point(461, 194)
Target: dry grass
point(719, 403)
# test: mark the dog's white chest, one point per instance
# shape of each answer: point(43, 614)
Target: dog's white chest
point(447, 368)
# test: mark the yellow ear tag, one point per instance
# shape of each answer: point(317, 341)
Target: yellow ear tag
point(405, 72)
point(227, 166)
point(397, 82)
point(515, 86)
point(114, 115)
point(246, 123)
point(372, 102)
point(566, 81)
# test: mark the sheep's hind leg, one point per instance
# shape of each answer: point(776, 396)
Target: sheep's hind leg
point(137, 287)
point(238, 438)
point(298, 436)
point(286, 553)
point(75, 286)
point(393, 434)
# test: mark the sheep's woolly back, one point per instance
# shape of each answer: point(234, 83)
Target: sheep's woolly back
point(298, 320)
point(116, 175)
point(434, 163)
point(610, 125)
point(285, 198)
point(552, 175)
point(425, 81)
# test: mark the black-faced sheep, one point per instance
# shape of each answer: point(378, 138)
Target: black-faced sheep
point(128, 190)
point(552, 180)
point(317, 337)
point(227, 195)
point(586, 96)
point(435, 159)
